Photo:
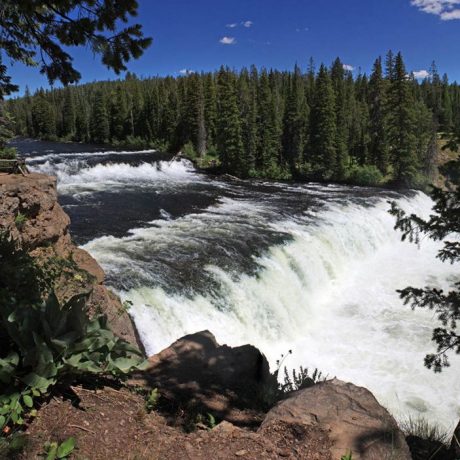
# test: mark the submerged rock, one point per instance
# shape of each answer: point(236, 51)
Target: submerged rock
point(350, 415)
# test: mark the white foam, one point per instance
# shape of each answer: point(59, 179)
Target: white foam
point(329, 295)
point(76, 176)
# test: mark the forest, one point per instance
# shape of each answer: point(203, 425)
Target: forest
point(323, 124)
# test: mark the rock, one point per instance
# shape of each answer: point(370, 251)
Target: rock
point(350, 415)
point(215, 376)
point(44, 231)
point(455, 444)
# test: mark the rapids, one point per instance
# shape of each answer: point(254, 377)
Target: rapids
point(302, 267)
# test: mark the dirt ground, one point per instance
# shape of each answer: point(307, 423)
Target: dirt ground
point(112, 424)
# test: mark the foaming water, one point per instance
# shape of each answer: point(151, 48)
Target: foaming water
point(283, 266)
point(329, 294)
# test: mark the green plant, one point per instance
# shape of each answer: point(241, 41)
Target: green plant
point(423, 429)
point(12, 446)
point(43, 342)
point(300, 380)
point(20, 220)
point(211, 421)
point(151, 400)
point(14, 406)
point(8, 153)
point(348, 456)
point(54, 450)
point(365, 175)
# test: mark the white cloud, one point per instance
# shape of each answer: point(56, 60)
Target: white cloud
point(348, 67)
point(247, 24)
point(421, 74)
point(228, 41)
point(186, 71)
point(232, 26)
point(447, 10)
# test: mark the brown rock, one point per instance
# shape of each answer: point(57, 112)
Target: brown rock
point(44, 231)
point(196, 368)
point(351, 416)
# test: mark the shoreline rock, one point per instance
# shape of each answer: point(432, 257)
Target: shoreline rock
point(31, 213)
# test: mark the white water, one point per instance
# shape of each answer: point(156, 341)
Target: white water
point(75, 176)
point(329, 295)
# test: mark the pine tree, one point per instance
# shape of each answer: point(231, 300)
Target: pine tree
point(229, 138)
point(210, 110)
point(68, 115)
point(295, 121)
point(118, 115)
point(43, 118)
point(337, 79)
point(99, 122)
point(323, 133)
point(401, 124)
point(377, 118)
point(269, 130)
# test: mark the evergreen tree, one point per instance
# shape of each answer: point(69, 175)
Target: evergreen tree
point(377, 118)
point(323, 155)
point(295, 120)
point(401, 126)
point(99, 123)
point(43, 119)
point(229, 138)
point(268, 123)
point(337, 79)
point(68, 115)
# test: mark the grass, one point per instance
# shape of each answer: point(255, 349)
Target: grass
point(422, 428)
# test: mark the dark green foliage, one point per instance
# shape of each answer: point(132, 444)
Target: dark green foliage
point(300, 380)
point(267, 124)
point(443, 225)
point(35, 33)
point(365, 175)
point(323, 129)
point(42, 341)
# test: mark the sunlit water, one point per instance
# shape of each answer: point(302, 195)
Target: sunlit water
point(283, 266)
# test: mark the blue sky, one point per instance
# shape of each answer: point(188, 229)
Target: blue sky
point(200, 35)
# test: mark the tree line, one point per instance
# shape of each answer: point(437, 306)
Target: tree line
point(322, 124)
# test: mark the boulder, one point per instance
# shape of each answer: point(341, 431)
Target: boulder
point(350, 415)
point(216, 376)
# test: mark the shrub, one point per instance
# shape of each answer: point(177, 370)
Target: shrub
point(189, 151)
point(367, 175)
point(300, 380)
point(20, 220)
point(43, 342)
point(8, 153)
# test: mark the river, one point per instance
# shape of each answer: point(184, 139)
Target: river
point(284, 266)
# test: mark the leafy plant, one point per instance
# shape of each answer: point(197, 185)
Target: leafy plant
point(300, 380)
point(151, 400)
point(211, 421)
point(43, 342)
point(348, 456)
point(14, 406)
point(20, 220)
point(54, 450)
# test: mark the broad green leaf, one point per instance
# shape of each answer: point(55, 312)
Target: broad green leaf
point(28, 401)
point(66, 448)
